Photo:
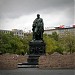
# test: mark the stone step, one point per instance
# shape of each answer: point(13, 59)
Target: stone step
point(32, 62)
point(27, 65)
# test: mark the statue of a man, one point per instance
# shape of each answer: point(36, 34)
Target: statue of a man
point(38, 28)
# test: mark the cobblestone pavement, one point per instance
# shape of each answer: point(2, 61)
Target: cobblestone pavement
point(36, 71)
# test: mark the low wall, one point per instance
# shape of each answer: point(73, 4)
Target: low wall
point(57, 61)
point(10, 61)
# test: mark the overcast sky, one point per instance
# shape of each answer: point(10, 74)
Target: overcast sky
point(19, 14)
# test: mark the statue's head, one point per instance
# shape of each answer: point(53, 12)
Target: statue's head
point(38, 15)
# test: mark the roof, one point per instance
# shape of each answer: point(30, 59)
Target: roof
point(57, 28)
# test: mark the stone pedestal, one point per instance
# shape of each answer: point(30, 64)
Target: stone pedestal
point(33, 59)
point(32, 62)
point(37, 47)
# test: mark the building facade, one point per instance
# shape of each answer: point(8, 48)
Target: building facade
point(5, 31)
point(15, 32)
point(61, 31)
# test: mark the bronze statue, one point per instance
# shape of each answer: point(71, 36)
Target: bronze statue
point(37, 45)
point(38, 28)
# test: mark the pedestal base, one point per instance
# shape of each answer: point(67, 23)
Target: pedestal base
point(32, 62)
point(37, 47)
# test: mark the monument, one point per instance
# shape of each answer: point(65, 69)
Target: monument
point(37, 45)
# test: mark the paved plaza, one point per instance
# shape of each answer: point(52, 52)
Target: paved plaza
point(36, 71)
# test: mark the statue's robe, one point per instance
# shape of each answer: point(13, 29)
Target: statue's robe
point(38, 29)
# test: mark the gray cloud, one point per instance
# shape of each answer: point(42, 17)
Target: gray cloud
point(16, 8)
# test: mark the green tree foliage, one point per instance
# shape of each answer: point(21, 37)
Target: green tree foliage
point(60, 48)
point(65, 43)
point(4, 42)
point(26, 41)
point(14, 44)
point(50, 44)
point(68, 42)
point(54, 35)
